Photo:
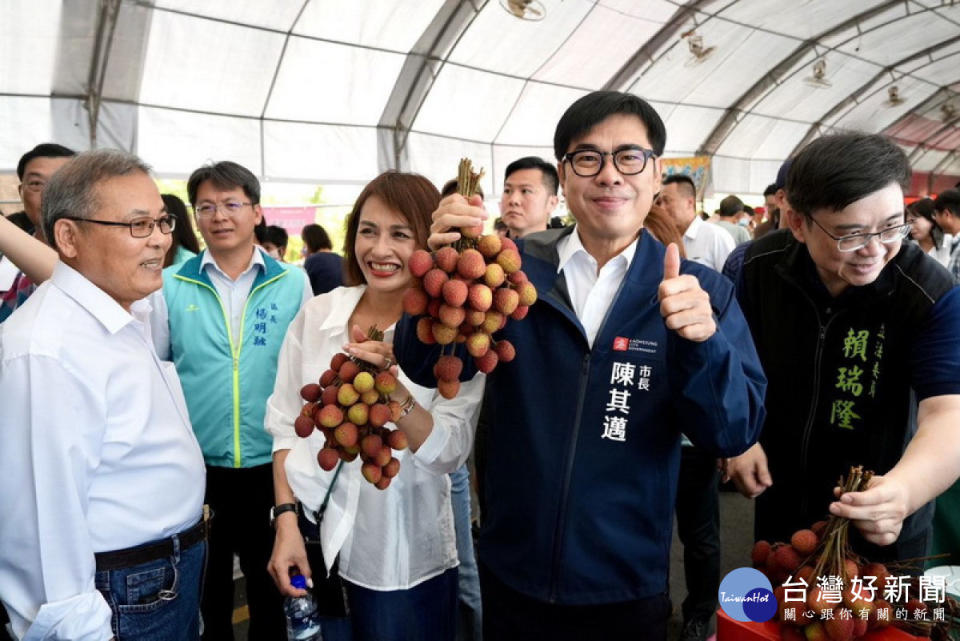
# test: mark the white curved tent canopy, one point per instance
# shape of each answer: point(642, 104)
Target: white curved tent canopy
point(338, 90)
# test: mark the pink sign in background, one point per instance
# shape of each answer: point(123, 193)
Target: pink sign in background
point(290, 218)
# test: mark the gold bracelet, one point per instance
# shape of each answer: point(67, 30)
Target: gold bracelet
point(407, 406)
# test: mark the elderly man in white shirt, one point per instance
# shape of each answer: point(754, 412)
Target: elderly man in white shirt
point(705, 244)
point(102, 534)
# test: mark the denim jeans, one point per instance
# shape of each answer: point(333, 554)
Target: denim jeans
point(157, 600)
point(425, 612)
point(469, 621)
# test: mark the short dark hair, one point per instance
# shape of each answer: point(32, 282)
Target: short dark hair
point(596, 107)
point(74, 189)
point(730, 206)
point(21, 220)
point(550, 178)
point(260, 231)
point(836, 170)
point(948, 200)
point(43, 150)
point(684, 183)
point(315, 238)
point(451, 186)
point(782, 173)
point(225, 174)
point(412, 195)
point(924, 208)
point(277, 236)
point(183, 234)
point(770, 190)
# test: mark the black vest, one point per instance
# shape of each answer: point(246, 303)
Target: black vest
point(839, 371)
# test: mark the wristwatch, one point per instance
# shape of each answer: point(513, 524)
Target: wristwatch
point(277, 510)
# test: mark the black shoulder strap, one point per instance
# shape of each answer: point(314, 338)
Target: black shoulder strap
point(318, 515)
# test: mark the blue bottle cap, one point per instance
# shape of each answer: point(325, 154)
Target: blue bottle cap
point(298, 581)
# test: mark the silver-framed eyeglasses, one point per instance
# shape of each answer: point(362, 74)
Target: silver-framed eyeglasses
point(629, 160)
point(853, 242)
point(140, 227)
point(229, 208)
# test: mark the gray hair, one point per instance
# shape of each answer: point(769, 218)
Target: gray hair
point(71, 190)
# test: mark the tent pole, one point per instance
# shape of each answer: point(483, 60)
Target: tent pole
point(107, 11)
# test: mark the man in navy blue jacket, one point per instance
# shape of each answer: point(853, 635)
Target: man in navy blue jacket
point(626, 347)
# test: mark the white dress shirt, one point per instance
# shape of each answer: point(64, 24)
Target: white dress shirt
point(233, 293)
point(591, 292)
point(942, 253)
point(96, 450)
point(707, 244)
point(389, 539)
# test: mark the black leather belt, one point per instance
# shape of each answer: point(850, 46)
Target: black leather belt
point(161, 549)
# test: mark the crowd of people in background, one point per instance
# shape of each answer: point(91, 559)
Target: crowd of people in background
point(150, 385)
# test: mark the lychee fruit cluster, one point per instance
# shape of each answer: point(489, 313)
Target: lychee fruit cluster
point(466, 292)
point(465, 297)
point(351, 406)
point(780, 561)
point(822, 617)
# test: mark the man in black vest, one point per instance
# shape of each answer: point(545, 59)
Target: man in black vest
point(856, 331)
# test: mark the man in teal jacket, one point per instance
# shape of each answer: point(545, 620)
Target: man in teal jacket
point(221, 319)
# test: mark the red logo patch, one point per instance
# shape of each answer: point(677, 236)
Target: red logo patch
point(620, 344)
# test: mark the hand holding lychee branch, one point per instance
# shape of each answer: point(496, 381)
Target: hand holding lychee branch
point(455, 211)
point(351, 405)
point(877, 509)
point(836, 548)
point(458, 221)
point(823, 551)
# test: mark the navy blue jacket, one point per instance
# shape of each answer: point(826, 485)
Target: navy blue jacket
point(574, 515)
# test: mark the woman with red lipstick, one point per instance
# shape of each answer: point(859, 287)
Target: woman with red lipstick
point(394, 549)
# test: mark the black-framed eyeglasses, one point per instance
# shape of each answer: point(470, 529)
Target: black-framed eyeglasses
point(853, 242)
point(139, 227)
point(629, 160)
point(229, 208)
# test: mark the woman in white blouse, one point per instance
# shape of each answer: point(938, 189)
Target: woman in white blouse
point(926, 232)
point(396, 547)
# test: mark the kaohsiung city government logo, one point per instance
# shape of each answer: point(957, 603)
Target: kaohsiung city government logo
point(746, 595)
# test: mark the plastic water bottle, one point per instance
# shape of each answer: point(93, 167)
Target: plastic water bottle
point(303, 623)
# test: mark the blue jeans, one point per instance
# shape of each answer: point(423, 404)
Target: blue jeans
point(158, 600)
point(470, 621)
point(426, 612)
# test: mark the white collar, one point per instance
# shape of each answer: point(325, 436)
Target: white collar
point(693, 228)
point(345, 302)
point(97, 302)
point(256, 259)
point(571, 245)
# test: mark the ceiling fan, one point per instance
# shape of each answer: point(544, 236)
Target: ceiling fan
point(893, 96)
point(698, 51)
point(818, 78)
point(949, 111)
point(530, 10)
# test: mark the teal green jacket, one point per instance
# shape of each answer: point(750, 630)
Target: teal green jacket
point(227, 379)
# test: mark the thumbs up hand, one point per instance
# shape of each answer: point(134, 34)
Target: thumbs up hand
point(684, 305)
